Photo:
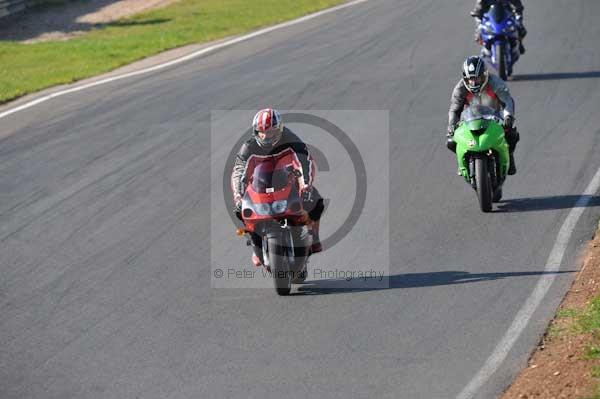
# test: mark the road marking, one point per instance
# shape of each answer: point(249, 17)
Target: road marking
point(181, 59)
point(520, 322)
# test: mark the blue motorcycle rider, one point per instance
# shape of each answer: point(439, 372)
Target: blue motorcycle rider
point(483, 6)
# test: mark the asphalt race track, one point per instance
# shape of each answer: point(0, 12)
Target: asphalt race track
point(106, 217)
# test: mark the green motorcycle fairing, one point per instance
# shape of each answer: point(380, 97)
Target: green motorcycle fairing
point(480, 131)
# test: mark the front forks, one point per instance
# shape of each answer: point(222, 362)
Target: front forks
point(286, 242)
point(493, 168)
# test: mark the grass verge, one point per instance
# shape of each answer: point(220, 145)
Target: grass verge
point(587, 321)
point(26, 68)
point(566, 363)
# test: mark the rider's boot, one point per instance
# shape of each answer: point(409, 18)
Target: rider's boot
point(512, 138)
point(257, 257)
point(522, 34)
point(258, 262)
point(512, 168)
point(316, 243)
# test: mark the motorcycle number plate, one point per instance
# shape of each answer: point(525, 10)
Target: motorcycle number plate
point(270, 190)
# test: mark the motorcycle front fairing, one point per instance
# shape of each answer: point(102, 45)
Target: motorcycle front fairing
point(272, 207)
point(499, 26)
point(272, 194)
point(480, 131)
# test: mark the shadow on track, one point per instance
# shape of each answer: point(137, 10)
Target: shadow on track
point(410, 280)
point(556, 76)
point(122, 24)
point(545, 203)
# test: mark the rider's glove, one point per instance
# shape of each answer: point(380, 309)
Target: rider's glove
point(307, 194)
point(508, 122)
point(237, 208)
point(450, 132)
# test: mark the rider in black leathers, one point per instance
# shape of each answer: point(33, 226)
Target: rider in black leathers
point(482, 6)
point(478, 86)
point(270, 137)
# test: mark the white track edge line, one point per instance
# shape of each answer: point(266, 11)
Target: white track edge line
point(181, 59)
point(526, 312)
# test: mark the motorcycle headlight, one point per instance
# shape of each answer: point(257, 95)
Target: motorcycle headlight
point(262, 209)
point(279, 206)
point(486, 28)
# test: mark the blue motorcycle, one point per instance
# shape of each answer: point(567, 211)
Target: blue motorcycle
point(499, 33)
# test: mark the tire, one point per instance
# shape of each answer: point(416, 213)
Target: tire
point(279, 267)
point(501, 59)
point(494, 166)
point(484, 184)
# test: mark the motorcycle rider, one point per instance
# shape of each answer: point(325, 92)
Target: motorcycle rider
point(269, 138)
point(477, 86)
point(483, 6)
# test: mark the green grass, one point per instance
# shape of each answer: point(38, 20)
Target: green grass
point(596, 396)
point(567, 313)
point(25, 68)
point(556, 331)
point(588, 321)
point(593, 352)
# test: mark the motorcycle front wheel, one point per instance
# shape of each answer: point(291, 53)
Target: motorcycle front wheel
point(282, 277)
point(501, 60)
point(483, 184)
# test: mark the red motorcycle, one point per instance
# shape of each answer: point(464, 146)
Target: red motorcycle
point(272, 209)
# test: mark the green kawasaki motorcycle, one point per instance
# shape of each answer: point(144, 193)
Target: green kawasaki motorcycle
point(482, 153)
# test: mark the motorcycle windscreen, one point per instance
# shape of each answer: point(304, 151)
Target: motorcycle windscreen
point(478, 126)
point(477, 117)
point(497, 13)
point(265, 179)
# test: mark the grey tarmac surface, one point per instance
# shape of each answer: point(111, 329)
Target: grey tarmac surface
point(105, 215)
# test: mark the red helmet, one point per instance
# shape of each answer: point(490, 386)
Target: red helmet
point(267, 127)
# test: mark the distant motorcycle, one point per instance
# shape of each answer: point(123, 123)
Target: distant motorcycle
point(499, 33)
point(272, 208)
point(482, 153)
